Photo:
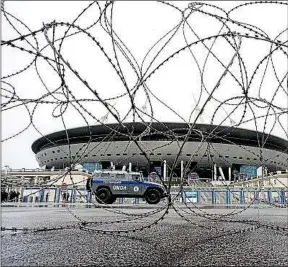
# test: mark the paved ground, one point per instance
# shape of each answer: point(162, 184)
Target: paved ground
point(172, 242)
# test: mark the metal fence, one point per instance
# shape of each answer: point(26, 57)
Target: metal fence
point(210, 196)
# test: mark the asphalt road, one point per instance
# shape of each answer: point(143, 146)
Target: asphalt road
point(172, 242)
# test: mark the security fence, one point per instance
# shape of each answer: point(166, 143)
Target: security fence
point(211, 196)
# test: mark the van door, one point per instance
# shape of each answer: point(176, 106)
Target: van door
point(136, 185)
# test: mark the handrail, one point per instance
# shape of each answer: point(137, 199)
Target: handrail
point(258, 178)
point(55, 170)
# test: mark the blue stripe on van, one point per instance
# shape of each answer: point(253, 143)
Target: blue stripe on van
point(97, 181)
point(130, 182)
point(136, 183)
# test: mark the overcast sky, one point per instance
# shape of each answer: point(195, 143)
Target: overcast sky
point(177, 83)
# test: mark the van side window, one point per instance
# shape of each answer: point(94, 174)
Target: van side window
point(120, 176)
point(105, 175)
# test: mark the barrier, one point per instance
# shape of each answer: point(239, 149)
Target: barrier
point(282, 197)
point(209, 196)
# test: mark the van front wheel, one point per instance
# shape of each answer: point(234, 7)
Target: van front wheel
point(153, 196)
point(103, 196)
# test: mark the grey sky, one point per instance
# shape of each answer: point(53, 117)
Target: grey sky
point(177, 82)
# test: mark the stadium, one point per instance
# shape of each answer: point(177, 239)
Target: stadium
point(149, 147)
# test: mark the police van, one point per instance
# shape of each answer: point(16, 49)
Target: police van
point(107, 185)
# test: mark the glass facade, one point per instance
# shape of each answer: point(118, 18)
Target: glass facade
point(248, 171)
point(92, 166)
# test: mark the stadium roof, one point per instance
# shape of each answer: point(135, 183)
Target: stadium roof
point(161, 131)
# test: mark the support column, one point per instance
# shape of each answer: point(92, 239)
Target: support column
point(164, 170)
point(229, 174)
point(215, 172)
point(182, 170)
point(221, 173)
point(112, 165)
point(130, 167)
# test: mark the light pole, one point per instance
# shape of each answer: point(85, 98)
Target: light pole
point(6, 176)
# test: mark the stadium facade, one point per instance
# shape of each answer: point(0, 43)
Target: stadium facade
point(207, 146)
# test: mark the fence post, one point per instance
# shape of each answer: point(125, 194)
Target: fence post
point(213, 197)
point(74, 195)
point(269, 195)
point(198, 197)
point(228, 199)
point(42, 193)
point(282, 196)
point(241, 195)
point(57, 195)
